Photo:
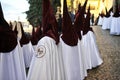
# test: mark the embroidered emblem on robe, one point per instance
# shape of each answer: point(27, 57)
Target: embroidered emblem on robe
point(40, 52)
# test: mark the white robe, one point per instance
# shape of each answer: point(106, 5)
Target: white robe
point(28, 52)
point(34, 47)
point(115, 26)
point(12, 65)
point(106, 23)
point(45, 63)
point(72, 64)
point(100, 20)
point(91, 51)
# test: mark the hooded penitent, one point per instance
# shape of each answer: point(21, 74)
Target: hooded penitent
point(110, 10)
point(10, 24)
point(78, 24)
point(116, 14)
point(107, 13)
point(69, 35)
point(34, 39)
point(24, 39)
point(8, 39)
point(79, 8)
point(38, 33)
point(15, 30)
point(87, 23)
point(49, 23)
point(79, 20)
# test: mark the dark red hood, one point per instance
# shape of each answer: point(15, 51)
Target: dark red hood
point(49, 23)
point(69, 35)
point(8, 39)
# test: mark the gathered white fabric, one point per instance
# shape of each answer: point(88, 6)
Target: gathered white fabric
point(115, 26)
point(12, 65)
point(100, 20)
point(106, 23)
point(45, 64)
point(28, 52)
point(90, 50)
point(82, 60)
point(34, 47)
point(72, 60)
point(86, 52)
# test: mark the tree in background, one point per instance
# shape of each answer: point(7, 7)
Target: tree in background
point(34, 14)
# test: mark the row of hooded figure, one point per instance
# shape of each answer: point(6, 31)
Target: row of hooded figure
point(111, 21)
point(49, 56)
point(16, 50)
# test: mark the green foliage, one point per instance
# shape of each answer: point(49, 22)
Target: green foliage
point(34, 14)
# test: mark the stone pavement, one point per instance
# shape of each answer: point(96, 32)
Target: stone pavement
point(109, 47)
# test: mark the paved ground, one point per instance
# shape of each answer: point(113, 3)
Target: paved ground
point(109, 47)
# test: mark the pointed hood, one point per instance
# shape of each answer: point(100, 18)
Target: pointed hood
point(8, 40)
point(69, 35)
point(15, 30)
point(102, 14)
point(10, 24)
point(38, 33)
point(87, 23)
point(1, 11)
point(78, 23)
point(49, 23)
point(84, 6)
point(24, 39)
point(79, 8)
point(3, 22)
point(107, 13)
point(111, 10)
point(34, 39)
point(116, 14)
point(79, 20)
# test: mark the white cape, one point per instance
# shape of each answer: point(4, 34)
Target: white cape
point(73, 65)
point(28, 52)
point(100, 20)
point(106, 23)
point(90, 50)
point(45, 63)
point(12, 65)
point(115, 26)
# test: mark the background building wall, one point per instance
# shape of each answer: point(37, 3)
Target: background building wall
point(97, 6)
point(114, 3)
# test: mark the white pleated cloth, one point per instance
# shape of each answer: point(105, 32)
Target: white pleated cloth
point(46, 62)
point(90, 50)
point(34, 47)
point(28, 52)
point(100, 20)
point(12, 65)
point(115, 26)
point(82, 60)
point(86, 52)
point(106, 23)
point(72, 60)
